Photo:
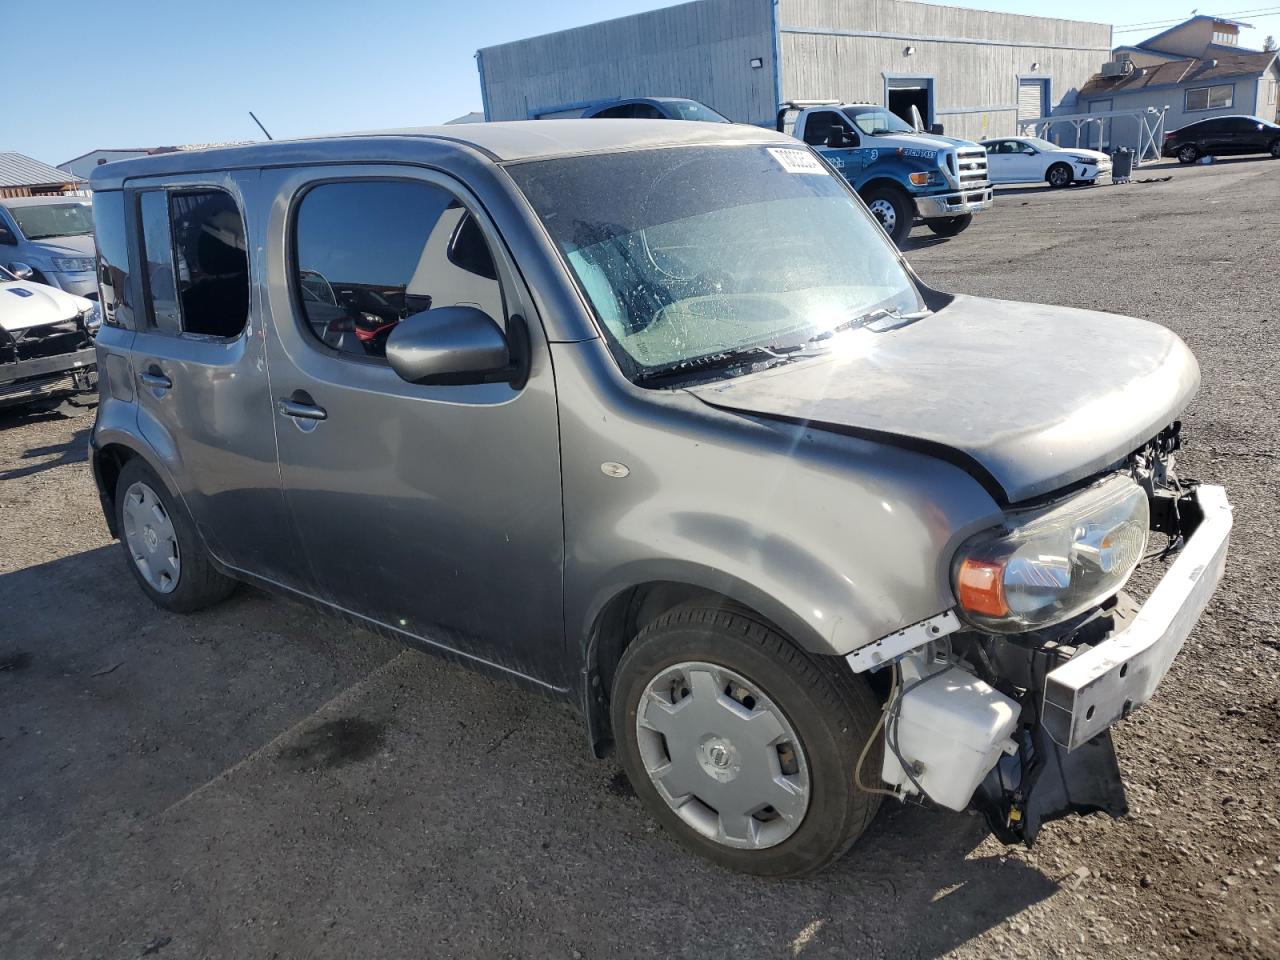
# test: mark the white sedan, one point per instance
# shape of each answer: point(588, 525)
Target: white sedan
point(1032, 160)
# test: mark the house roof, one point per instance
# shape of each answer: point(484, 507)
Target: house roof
point(1239, 24)
point(19, 170)
point(1179, 72)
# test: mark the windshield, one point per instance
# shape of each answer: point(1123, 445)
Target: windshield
point(877, 121)
point(693, 110)
point(1039, 144)
point(714, 248)
point(54, 220)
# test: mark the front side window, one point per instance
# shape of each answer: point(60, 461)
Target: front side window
point(878, 122)
point(1217, 97)
point(714, 249)
point(113, 258)
point(818, 127)
point(370, 253)
point(46, 221)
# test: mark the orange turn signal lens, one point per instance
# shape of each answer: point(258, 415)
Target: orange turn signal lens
point(980, 588)
point(919, 179)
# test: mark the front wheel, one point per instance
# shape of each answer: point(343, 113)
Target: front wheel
point(1187, 153)
point(1275, 149)
point(950, 226)
point(1059, 176)
point(893, 209)
point(740, 744)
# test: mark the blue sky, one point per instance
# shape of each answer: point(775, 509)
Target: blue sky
point(134, 73)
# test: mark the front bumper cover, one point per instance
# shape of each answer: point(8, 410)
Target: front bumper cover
point(1095, 689)
point(955, 204)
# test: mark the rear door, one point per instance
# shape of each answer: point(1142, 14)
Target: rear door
point(434, 511)
point(199, 368)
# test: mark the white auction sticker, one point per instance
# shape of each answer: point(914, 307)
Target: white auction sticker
point(796, 161)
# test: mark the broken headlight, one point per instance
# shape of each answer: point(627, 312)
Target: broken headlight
point(1049, 565)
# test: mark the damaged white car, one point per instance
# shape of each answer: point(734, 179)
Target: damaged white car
point(46, 344)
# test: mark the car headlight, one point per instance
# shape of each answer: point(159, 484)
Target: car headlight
point(73, 264)
point(1087, 161)
point(1055, 563)
point(92, 320)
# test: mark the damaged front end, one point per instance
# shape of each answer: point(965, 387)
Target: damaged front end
point(1007, 707)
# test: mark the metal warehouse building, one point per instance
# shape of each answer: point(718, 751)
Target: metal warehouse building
point(973, 71)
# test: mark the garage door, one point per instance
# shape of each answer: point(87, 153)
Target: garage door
point(1031, 99)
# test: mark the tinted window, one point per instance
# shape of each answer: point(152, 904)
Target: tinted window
point(210, 262)
point(157, 252)
point(371, 252)
point(616, 113)
point(647, 111)
point(819, 125)
point(113, 257)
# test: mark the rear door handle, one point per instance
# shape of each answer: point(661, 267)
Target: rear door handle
point(301, 405)
point(154, 379)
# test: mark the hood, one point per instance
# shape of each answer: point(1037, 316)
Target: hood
point(1027, 398)
point(78, 246)
point(1096, 154)
point(24, 304)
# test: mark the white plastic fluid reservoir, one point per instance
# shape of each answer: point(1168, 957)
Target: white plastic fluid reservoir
point(952, 729)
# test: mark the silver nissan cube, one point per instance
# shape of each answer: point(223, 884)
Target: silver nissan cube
point(651, 417)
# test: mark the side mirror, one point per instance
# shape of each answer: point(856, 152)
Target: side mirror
point(7, 237)
point(837, 138)
point(936, 129)
point(449, 345)
point(22, 271)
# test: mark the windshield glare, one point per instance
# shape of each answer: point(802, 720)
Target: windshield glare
point(712, 249)
point(1040, 144)
point(876, 122)
point(692, 110)
point(54, 220)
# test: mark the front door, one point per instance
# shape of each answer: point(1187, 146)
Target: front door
point(434, 511)
point(204, 401)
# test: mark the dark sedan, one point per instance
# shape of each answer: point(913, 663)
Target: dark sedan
point(1222, 136)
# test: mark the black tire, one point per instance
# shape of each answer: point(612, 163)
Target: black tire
point(1275, 149)
point(1188, 153)
point(950, 226)
point(897, 217)
point(831, 710)
point(199, 583)
point(1059, 175)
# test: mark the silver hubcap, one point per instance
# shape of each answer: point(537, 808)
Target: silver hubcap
point(151, 539)
point(1188, 153)
point(885, 213)
point(722, 755)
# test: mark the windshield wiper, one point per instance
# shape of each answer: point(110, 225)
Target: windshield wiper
point(719, 360)
point(879, 320)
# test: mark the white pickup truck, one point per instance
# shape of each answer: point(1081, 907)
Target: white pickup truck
point(901, 172)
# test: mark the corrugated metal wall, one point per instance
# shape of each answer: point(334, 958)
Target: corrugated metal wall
point(842, 50)
point(701, 50)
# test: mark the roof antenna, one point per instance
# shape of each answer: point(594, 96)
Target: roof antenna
point(260, 126)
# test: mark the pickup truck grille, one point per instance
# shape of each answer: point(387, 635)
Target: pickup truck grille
point(972, 167)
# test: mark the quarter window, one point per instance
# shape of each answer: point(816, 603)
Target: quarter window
point(370, 253)
point(1217, 97)
point(113, 258)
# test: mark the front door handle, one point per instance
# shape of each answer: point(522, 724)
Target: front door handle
point(155, 379)
point(301, 405)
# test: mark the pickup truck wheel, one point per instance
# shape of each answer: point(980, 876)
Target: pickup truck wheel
point(742, 745)
point(165, 554)
point(950, 226)
point(1060, 175)
point(1187, 153)
point(893, 209)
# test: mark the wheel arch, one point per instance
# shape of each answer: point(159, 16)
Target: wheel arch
point(108, 458)
point(881, 182)
point(621, 615)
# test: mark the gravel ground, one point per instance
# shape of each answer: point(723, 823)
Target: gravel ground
point(259, 781)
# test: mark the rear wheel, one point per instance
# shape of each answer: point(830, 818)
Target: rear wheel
point(893, 209)
point(1275, 149)
point(167, 557)
point(950, 226)
point(740, 744)
point(1059, 175)
point(1187, 153)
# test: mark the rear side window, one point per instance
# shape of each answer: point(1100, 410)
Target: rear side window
point(627, 110)
point(113, 257)
point(197, 271)
point(369, 253)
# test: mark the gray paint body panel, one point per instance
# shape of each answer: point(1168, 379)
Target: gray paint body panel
point(1037, 396)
